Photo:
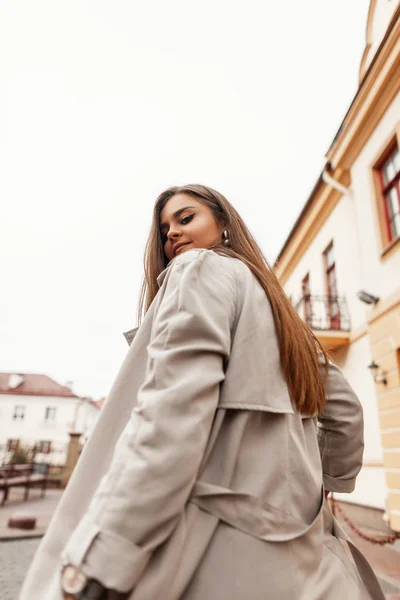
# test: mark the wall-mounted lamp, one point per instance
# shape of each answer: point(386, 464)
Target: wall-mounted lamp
point(367, 298)
point(378, 377)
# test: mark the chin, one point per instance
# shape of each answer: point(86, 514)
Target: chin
point(184, 248)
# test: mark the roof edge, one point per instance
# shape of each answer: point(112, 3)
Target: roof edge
point(301, 216)
point(320, 181)
point(393, 21)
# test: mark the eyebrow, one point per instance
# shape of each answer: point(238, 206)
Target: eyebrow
point(176, 214)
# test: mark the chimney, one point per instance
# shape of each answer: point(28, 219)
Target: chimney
point(15, 380)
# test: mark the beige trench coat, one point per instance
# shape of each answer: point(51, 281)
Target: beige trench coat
point(200, 480)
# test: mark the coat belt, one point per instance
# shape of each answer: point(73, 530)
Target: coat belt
point(250, 514)
point(261, 520)
point(364, 568)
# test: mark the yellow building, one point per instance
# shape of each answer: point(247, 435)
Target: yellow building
point(341, 260)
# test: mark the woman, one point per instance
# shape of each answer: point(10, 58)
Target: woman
point(204, 478)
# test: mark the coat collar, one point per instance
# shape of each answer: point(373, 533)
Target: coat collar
point(130, 335)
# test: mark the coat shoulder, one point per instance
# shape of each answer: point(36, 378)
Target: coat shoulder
point(203, 273)
point(210, 259)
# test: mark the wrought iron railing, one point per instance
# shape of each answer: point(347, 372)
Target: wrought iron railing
point(324, 312)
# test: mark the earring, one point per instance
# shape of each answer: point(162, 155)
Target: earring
point(225, 235)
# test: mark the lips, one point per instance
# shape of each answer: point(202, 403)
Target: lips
point(179, 247)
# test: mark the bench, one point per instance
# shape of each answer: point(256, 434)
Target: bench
point(27, 476)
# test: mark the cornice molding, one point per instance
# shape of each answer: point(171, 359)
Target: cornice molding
point(368, 38)
point(322, 204)
point(380, 87)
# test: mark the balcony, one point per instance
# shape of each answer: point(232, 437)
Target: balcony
point(328, 317)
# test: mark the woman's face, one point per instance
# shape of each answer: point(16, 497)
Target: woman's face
point(187, 223)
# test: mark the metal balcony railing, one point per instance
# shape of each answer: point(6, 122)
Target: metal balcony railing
point(324, 313)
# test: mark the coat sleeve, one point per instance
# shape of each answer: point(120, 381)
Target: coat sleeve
point(155, 464)
point(340, 433)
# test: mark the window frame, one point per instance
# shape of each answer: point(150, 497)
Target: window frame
point(13, 444)
point(43, 447)
point(386, 244)
point(394, 183)
point(330, 267)
point(21, 417)
point(48, 411)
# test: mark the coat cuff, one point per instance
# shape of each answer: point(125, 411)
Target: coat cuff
point(334, 484)
point(114, 561)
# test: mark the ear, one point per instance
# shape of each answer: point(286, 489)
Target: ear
point(222, 222)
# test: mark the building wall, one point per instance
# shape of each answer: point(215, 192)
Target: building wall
point(353, 360)
point(370, 487)
point(379, 275)
point(339, 227)
point(365, 258)
point(354, 228)
point(384, 338)
point(71, 413)
point(86, 418)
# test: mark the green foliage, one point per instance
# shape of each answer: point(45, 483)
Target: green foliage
point(21, 456)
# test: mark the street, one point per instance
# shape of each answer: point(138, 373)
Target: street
point(15, 558)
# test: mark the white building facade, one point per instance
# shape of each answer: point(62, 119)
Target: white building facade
point(36, 411)
point(347, 241)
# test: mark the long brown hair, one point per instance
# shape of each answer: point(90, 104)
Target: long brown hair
point(300, 351)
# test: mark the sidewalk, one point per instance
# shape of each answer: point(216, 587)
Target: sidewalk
point(41, 508)
point(385, 560)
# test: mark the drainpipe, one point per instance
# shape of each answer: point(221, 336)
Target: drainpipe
point(332, 182)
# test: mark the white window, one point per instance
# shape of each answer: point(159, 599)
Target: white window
point(19, 413)
point(12, 444)
point(50, 413)
point(44, 447)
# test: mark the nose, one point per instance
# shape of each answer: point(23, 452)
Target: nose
point(173, 233)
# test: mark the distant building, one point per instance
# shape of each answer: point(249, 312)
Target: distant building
point(36, 411)
point(341, 261)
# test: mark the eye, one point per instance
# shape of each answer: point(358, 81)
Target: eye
point(187, 219)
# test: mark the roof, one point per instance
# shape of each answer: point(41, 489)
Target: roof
point(32, 384)
point(98, 403)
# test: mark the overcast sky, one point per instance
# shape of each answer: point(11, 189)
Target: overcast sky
point(104, 104)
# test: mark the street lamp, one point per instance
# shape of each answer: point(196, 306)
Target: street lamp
point(378, 377)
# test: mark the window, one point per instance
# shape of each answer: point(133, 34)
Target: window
point(333, 312)
point(19, 413)
point(44, 446)
point(12, 444)
point(50, 413)
point(389, 179)
point(306, 294)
